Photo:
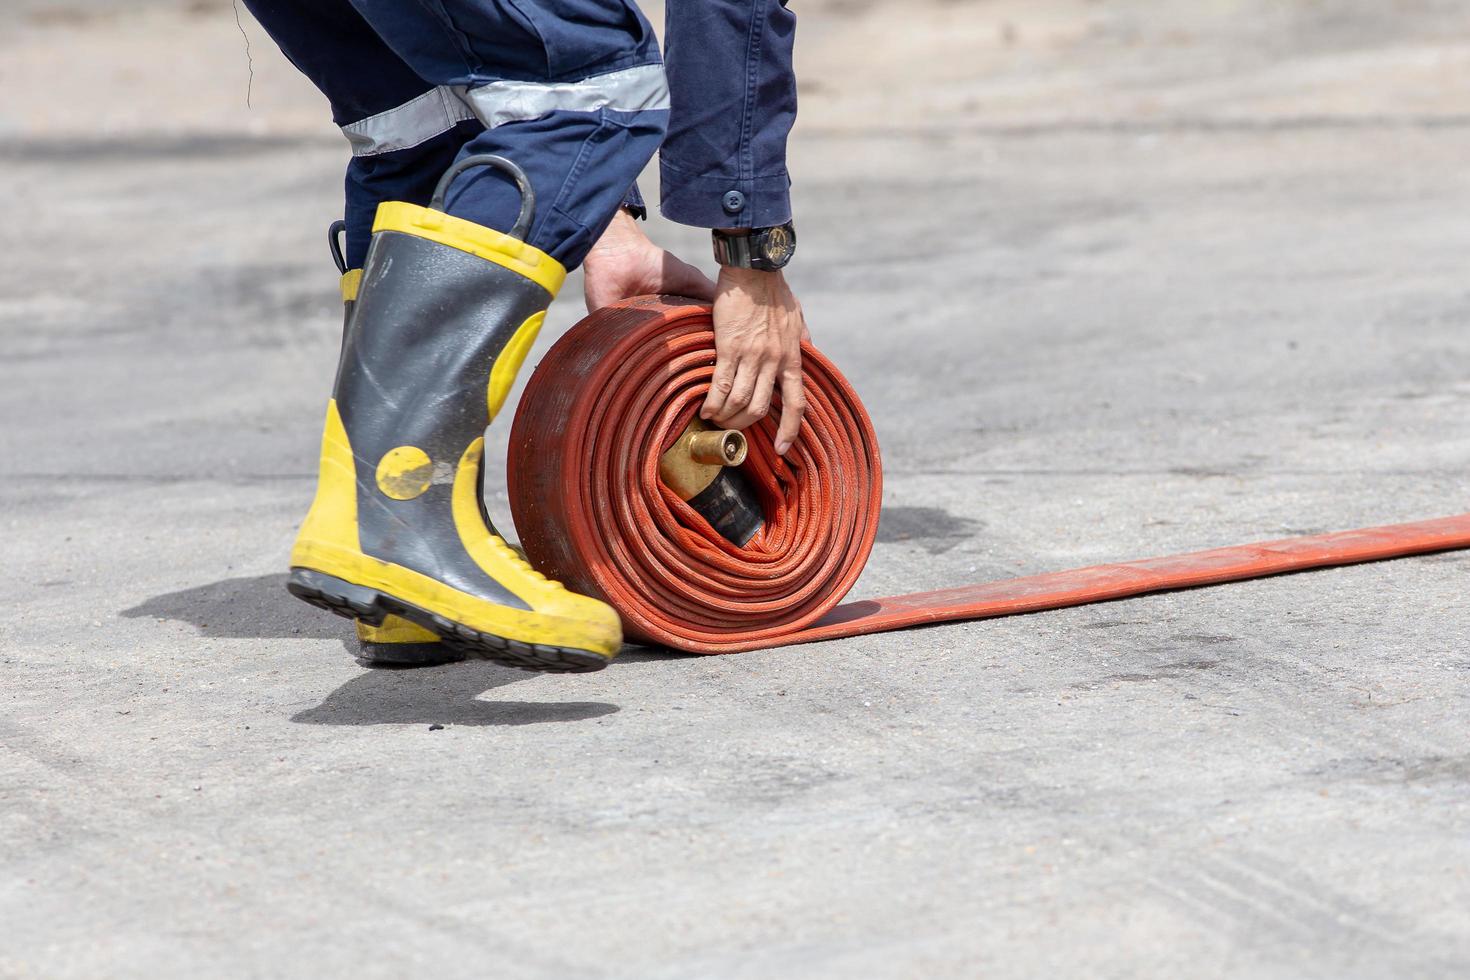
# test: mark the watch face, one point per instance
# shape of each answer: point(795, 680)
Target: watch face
point(779, 245)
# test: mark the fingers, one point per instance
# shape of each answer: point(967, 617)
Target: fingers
point(758, 330)
point(750, 399)
point(793, 409)
point(732, 410)
point(720, 387)
point(740, 392)
point(760, 400)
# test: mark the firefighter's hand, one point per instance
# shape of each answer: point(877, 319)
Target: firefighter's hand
point(625, 263)
point(758, 333)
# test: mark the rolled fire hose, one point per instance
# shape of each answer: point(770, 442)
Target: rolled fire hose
point(618, 393)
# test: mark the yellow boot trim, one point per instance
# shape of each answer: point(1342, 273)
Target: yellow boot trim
point(351, 280)
point(586, 625)
point(506, 565)
point(332, 520)
point(487, 243)
point(329, 543)
point(395, 630)
point(508, 363)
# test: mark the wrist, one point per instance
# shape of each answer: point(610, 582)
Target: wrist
point(739, 275)
point(759, 286)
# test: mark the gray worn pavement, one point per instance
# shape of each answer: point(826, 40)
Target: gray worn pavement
point(1115, 279)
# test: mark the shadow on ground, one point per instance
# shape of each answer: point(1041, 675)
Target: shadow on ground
point(447, 695)
point(450, 695)
point(932, 528)
point(255, 607)
point(259, 607)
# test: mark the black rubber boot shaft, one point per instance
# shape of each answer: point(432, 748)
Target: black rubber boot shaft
point(428, 324)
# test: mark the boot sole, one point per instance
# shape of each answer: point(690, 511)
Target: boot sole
point(338, 596)
point(407, 654)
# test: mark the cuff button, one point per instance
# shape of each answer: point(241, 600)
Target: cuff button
point(733, 202)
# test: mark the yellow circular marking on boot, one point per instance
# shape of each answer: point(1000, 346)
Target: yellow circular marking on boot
point(405, 472)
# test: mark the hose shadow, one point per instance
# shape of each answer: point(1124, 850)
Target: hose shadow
point(932, 528)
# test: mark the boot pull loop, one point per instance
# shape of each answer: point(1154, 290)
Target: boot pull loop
point(335, 231)
point(523, 184)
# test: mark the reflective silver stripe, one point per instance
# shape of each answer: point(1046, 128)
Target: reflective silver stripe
point(410, 124)
point(629, 90)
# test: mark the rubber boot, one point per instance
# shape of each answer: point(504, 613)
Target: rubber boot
point(397, 642)
point(445, 314)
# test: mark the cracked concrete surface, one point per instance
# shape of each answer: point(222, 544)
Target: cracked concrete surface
point(1115, 279)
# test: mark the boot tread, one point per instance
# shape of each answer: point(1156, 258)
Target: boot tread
point(370, 606)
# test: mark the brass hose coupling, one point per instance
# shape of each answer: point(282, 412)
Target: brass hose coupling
point(701, 468)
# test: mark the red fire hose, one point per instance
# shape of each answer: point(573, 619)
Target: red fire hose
point(617, 390)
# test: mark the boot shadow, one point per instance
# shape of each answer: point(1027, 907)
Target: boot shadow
point(255, 607)
point(447, 695)
point(259, 607)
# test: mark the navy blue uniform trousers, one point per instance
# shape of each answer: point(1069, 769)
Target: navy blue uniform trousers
point(572, 91)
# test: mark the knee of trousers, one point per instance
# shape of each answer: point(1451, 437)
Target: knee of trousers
point(377, 174)
point(468, 42)
point(580, 165)
point(582, 140)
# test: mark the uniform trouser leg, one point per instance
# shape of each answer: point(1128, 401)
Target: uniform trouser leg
point(404, 131)
point(571, 90)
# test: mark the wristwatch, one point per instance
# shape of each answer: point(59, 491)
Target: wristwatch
point(767, 249)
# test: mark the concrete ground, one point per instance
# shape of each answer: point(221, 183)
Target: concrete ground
point(1116, 278)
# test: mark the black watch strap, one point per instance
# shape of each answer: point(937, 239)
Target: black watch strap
point(767, 249)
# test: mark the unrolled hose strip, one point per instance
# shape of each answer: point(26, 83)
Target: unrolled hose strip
point(615, 392)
